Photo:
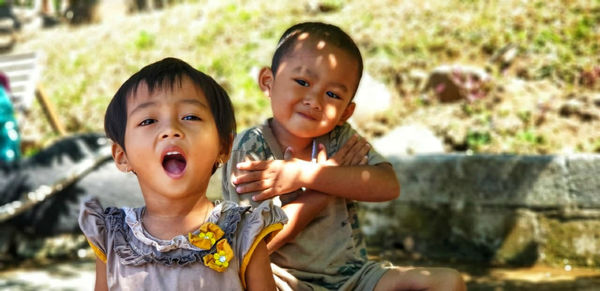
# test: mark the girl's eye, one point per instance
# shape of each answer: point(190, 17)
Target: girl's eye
point(147, 122)
point(191, 117)
point(301, 82)
point(333, 95)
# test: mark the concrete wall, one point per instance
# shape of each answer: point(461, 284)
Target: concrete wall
point(500, 209)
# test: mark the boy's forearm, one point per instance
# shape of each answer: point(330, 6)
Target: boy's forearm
point(300, 213)
point(361, 183)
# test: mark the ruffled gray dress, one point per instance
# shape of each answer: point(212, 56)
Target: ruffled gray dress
point(135, 260)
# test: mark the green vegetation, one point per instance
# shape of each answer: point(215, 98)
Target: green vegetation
point(556, 43)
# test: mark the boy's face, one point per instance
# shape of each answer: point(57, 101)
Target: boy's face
point(312, 90)
point(171, 140)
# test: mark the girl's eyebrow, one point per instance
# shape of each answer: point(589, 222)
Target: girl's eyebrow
point(194, 101)
point(149, 104)
point(142, 106)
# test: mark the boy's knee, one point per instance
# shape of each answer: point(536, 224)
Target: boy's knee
point(451, 279)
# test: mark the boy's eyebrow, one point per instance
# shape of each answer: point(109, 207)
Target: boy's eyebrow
point(340, 85)
point(302, 69)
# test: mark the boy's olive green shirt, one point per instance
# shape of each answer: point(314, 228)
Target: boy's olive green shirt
point(330, 252)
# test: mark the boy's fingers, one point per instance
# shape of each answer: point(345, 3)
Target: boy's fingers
point(361, 154)
point(348, 145)
point(260, 185)
point(364, 161)
point(288, 154)
point(244, 178)
point(252, 165)
point(264, 195)
point(322, 154)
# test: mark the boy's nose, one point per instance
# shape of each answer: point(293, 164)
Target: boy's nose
point(312, 100)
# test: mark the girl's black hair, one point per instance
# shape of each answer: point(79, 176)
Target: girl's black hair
point(316, 30)
point(166, 74)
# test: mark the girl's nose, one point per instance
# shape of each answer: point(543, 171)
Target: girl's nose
point(171, 131)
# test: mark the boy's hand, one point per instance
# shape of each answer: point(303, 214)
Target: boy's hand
point(270, 178)
point(274, 178)
point(352, 153)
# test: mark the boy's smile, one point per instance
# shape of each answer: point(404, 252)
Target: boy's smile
point(312, 90)
point(170, 134)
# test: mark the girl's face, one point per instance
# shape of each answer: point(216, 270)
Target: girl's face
point(171, 140)
point(312, 90)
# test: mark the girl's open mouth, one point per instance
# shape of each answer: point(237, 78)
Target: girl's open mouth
point(174, 163)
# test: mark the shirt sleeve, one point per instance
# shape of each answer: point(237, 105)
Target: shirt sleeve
point(93, 226)
point(247, 145)
point(263, 222)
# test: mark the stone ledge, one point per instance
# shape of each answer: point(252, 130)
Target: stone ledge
point(506, 180)
point(498, 209)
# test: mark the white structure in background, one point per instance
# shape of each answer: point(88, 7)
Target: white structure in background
point(408, 140)
point(372, 97)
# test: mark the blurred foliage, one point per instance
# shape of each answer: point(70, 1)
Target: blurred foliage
point(556, 40)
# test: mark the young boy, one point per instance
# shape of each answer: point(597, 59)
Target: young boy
point(314, 75)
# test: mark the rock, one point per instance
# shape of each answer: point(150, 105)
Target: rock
point(596, 100)
point(409, 140)
point(572, 106)
point(457, 82)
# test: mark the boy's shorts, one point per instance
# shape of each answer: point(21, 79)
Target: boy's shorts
point(366, 278)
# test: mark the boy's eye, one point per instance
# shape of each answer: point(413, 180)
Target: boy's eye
point(333, 95)
point(146, 122)
point(301, 82)
point(191, 117)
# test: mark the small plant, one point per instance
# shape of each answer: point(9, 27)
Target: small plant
point(144, 40)
point(476, 139)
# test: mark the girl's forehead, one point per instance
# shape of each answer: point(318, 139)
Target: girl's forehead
point(179, 89)
point(166, 89)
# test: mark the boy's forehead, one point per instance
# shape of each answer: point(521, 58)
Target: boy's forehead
point(318, 53)
point(306, 42)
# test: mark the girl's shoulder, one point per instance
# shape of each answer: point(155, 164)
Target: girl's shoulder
point(99, 224)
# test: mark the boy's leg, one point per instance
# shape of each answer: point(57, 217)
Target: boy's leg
point(431, 279)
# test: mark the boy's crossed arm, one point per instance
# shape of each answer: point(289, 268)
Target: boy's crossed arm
point(307, 206)
point(351, 180)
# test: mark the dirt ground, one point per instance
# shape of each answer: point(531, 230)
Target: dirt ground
point(79, 275)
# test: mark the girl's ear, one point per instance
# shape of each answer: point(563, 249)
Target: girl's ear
point(265, 80)
point(225, 152)
point(120, 158)
point(347, 113)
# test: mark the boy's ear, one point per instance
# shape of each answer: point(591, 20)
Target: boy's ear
point(120, 158)
point(347, 113)
point(265, 80)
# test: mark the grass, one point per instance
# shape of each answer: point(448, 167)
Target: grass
point(556, 41)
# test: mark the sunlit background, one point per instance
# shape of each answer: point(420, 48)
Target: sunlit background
point(468, 76)
point(527, 73)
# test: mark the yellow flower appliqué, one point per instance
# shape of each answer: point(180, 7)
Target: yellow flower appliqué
point(219, 261)
point(208, 235)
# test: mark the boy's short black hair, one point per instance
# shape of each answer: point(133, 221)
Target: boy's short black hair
point(316, 30)
point(166, 74)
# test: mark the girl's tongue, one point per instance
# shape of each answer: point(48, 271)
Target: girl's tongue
point(174, 164)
